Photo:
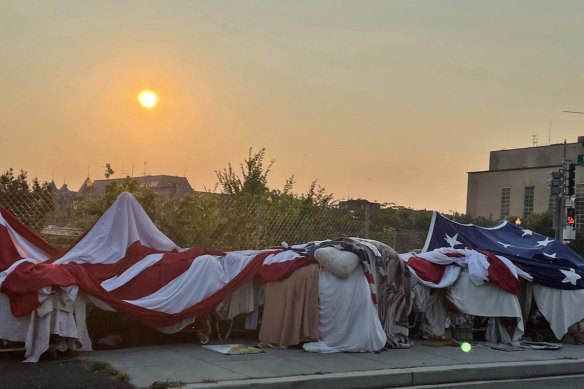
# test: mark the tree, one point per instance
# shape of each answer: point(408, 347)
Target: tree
point(254, 177)
point(31, 205)
point(542, 223)
point(92, 207)
point(108, 171)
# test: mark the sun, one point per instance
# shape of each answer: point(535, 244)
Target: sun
point(147, 98)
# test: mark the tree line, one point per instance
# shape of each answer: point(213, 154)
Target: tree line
point(246, 214)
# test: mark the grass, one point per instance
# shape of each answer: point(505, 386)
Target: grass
point(166, 384)
point(106, 368)
point(208, 381)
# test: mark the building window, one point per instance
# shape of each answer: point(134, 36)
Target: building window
point(528, 201)
point(505, 201)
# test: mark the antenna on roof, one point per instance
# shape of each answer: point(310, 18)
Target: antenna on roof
point(132, 168)
point(550, 133)
point(534, 140)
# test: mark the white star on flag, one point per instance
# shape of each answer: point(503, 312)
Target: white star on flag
point(452, 240)
point(550, 255)
point(504, 244)
point(526, 232)
point(571, 276)
point(545, 242)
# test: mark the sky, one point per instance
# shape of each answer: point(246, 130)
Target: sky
point(391, 101)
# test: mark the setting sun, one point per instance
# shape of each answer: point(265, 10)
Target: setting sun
point(147, 99)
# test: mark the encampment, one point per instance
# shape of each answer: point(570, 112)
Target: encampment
point(545, 272)
point(123, 263)
point(343, 294)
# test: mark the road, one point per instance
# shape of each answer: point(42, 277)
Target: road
point(563, 382)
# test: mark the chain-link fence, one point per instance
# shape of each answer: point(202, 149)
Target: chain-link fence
point(224, 222)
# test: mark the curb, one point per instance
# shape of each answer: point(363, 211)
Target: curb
point(395, 378)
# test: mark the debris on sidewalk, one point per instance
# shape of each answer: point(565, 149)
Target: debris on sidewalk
point(233, 349)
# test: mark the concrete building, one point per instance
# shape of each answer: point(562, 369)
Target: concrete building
point(517, 182)
point(169, 187)
point(359, 204)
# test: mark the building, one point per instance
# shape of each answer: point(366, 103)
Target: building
point(518, 182)
point(169, 187)
point(359, 204)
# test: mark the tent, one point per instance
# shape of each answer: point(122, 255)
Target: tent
point(477, 283)
point(58, 312)
point(553, 270)
point(123, 263)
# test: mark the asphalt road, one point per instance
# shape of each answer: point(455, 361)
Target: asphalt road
point(561, 382)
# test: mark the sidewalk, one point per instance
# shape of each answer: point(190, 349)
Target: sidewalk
point(197, 367)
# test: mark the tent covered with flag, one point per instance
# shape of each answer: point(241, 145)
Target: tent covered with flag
point(476, 283)
point(553, 269)
point(58, 311)
point(123, 263)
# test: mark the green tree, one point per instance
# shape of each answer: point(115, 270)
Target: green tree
point(542, 223)
point(254, 176)
point(30, 204)
point(108, 171)
point(91, 209)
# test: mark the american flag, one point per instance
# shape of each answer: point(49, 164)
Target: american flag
point(550, 262)
point(125, 262)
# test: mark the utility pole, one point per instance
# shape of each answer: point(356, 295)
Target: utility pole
point(562, 185)
point(568, 206)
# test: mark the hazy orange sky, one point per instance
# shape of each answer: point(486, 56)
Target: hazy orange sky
point(393, 101)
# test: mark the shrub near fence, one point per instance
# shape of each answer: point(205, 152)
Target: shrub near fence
point(226, 222)
point(240, 222)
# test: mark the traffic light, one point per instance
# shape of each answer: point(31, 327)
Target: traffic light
point(570, 180)
point(557, 183)
point(571, 216)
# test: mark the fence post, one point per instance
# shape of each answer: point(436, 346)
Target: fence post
point(258, 221)
point(367, 222)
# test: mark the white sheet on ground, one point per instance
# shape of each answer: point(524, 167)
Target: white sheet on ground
point(348, 320)
point(485, 300)
point(560, 307)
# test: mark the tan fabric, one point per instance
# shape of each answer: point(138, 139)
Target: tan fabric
point(239, 302)
point(291, 310)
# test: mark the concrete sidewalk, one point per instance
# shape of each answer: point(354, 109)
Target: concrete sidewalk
point(197, 367)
